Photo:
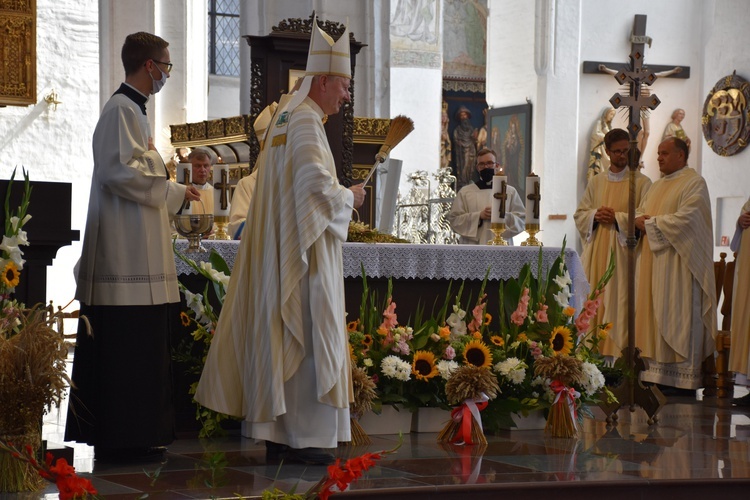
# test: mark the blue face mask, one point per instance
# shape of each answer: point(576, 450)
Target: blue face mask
point(158, 84)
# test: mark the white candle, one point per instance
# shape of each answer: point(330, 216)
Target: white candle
point(498, 183)
point(533, 198)
point(221, 183)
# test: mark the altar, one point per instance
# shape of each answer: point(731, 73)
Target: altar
point(421, 274)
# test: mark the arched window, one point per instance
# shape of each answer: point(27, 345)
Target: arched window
point(224, 37)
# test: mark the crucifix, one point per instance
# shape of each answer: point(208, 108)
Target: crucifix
point(636, 77)
point(535, 198)
point(223, 185)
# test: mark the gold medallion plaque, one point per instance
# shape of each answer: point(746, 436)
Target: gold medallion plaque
point(725, 116)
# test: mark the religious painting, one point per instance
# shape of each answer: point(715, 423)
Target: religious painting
point(510, 138)
point(415, 30)
point(465, 39)
point(725, 116)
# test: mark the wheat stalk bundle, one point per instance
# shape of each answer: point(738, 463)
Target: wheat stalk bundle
point(364, 393)
point(468, 383)
point(564, 371)
point(400, 127)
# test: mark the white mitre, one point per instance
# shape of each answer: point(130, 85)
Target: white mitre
point(325, 57)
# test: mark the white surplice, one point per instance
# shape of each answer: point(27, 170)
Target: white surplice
point(464, 216)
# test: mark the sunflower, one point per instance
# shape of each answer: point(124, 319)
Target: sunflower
point(487, 319)
point(478, 354)
point(423, 365)
point(497, 340)
point(352, 326)
point(367, 340)
point(352, 356)
point(184, 318)
point(561, 341)
point(11, 276)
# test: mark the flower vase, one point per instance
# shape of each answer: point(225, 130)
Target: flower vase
point(392, 420)
point(429, 419)
point(17, 475)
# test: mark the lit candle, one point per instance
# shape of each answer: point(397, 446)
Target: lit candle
point(499, 196)
point(221, 190)
point(533, 198)
point(185, 176)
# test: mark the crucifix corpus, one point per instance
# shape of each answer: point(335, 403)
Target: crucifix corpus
point(635, 76)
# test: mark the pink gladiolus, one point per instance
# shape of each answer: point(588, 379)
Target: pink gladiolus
point(541, 314)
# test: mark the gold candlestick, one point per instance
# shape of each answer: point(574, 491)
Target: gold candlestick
point(498, 228)
point(531, 241)
point(222, 221)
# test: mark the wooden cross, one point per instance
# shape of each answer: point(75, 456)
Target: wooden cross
point(535, 197)
point(633, 392)
point(502, 196)
point(636, 75)
point(223, 185)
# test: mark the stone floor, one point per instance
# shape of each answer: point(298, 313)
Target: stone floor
point(698, 448)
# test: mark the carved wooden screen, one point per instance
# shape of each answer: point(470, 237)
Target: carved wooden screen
point(17, 52)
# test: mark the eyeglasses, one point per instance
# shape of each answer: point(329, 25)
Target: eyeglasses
point(619, 152)
point(167, 64)
point(486, 164)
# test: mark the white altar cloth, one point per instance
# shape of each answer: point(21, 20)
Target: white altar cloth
point(458, 262)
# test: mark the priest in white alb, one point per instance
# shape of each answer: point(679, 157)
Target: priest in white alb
point(675, 313)
point(602, 222)
point(471, 212)
point(280, 354)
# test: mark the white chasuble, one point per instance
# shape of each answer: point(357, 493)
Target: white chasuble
point(127, 256)
point(675, 315)
point(241, 197)
point(739, 354)
point(599, 240)
point(464, 216)
point(280, 355)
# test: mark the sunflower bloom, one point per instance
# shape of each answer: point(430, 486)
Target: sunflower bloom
point(497, 340)
point(352, 326)
point(561, 341)
point(367, 340)
point(11, 276)
point(423, 365)
point(487, 319)
point(478, 354)
point(184, 318)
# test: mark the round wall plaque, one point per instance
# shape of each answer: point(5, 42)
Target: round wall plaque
point(725, 116)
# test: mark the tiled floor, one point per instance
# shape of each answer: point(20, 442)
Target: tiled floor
point(698, 448)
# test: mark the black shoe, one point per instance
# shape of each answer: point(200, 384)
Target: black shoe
point(744, 401)
point(309, 456)
point(275, 451)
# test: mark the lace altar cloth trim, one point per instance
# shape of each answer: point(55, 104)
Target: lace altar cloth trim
point(398, 261)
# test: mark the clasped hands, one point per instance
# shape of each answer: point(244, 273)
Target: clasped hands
point(605, 215)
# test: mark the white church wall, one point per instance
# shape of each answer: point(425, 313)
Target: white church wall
point(674, 26)
point(55, 146)
point(724, 35)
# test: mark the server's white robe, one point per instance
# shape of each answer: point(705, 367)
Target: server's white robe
point(464, 216)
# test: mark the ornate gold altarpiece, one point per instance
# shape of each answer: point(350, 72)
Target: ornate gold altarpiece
point(17, 52)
